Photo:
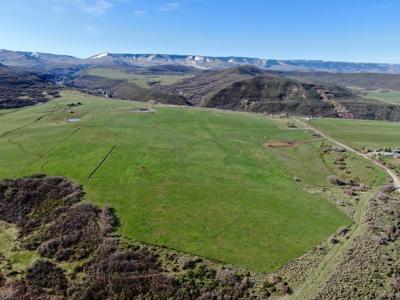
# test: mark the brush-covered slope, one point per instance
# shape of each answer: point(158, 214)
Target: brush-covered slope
point(18, 89)
point(123, 89)
point(243, 88)
point(207, 83)
point(253, 89)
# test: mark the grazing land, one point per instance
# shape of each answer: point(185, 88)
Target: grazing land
point(193, 180)
point(361, 133)
point(144, 81)
point(73, 253)
point(392, 97)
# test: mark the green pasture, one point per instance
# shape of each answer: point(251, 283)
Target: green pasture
point(198, 181)
point(362, 133)
point(144, 81)
point(392, 97)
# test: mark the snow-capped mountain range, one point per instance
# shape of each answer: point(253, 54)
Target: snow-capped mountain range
point(40, 60)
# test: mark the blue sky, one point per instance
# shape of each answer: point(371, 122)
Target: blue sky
point(341, 30)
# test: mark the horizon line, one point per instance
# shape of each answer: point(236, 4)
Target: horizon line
point(212, 56)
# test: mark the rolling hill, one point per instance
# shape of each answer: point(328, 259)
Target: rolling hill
point(210, 83)
point(245, 88)
point(124, 89)
point(240, 88)
point(252, 89)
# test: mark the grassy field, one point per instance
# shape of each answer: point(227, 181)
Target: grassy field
point(392, 97)
point(141, 80)
point(392, 163)
point(10, 250)
point(193, 180)
point(362, 133)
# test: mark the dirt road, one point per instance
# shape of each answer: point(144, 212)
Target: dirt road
point(318, 277)
point(390, 172)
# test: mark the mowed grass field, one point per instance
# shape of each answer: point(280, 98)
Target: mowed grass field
point(362, 133)
point(392, 97)
point(194, 180)
point(143, 81)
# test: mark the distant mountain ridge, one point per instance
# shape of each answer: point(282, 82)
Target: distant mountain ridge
point(211, 62)
point(53, 61)
point(35, 59)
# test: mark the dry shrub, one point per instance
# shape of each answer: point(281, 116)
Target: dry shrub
point(349, 192)
point(388, 188)
point(29, 202)
point(396, 283)
point(227, 277)
point(109, 219)
point(189, 263)
point(74, 234)
point(46, 275)
point(2, 280)
point(274, 284)
point(126, 274)
point(338, 149)
point(343, 231)
point(336, 181)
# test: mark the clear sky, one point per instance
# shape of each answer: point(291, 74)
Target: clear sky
point(341, 30)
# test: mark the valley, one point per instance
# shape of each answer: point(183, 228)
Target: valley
point(243, 181)
point(159, 205)
point(199, 150)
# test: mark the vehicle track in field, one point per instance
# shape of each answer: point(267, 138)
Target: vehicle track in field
point(38, 156)
point(44, 164)
point(59, 107)
point(22, 148)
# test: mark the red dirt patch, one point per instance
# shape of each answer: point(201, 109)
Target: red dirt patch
point(281, 144)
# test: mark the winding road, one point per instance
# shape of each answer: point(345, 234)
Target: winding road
point(318, 277)
point(390, 172)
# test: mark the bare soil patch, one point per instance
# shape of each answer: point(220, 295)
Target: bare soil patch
point(286, 144)
point(281, 144)
point(142, 110)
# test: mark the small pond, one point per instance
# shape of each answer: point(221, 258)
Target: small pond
point(73, 120)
